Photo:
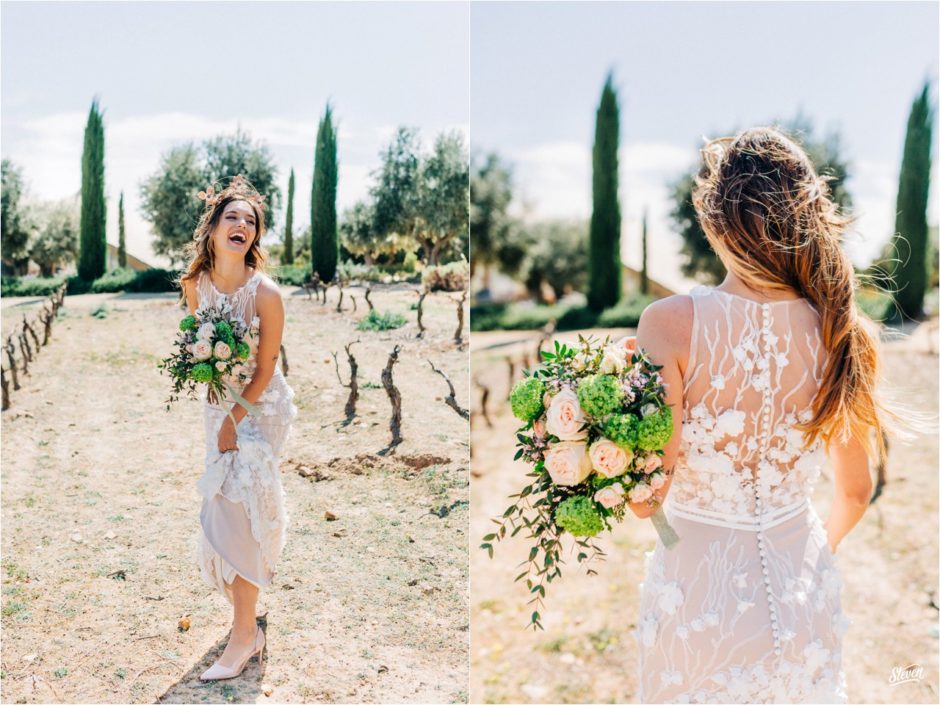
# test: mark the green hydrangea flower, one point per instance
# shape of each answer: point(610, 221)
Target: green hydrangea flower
point(655, 430)
point(622, 430)
point(526, 399)
point(188, 323)
point(579, 516)
point(600, 395)
point(242, 351)
point(224, 331)
point(202, 372)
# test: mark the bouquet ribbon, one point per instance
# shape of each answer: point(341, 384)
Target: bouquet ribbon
point(239, 399)
point(667, 534)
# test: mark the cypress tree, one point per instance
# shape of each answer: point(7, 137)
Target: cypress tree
point(910, 229)
point(644, 272)
point(289, 222)
point(122, 247)
point(604, 241)
point(93, 246)
point(324, 245)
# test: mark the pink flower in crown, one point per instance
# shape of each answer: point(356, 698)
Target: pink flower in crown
point(209, 196)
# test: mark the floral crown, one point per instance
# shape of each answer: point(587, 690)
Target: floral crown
point(239, 187)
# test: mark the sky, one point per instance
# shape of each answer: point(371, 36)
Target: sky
point(685, 70)
point(167, 73)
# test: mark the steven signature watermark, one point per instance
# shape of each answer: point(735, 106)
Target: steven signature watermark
point(904, 675)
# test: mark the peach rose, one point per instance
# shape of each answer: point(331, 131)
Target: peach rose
point(653, 462)
point(202, 350)
point(206, 331)
point(611, 496)
point(567, 463)
point(565, 418)
point(222, 350)
point(657, 480)
point(641, 493)
point(608, 458)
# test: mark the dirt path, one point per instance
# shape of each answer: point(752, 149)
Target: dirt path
point(587, 654)
point(100, 517)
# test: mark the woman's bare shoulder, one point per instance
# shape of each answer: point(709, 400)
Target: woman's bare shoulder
point(666, 324)
point(268, 293)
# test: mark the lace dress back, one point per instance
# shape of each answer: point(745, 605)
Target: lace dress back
point(243, 517)
point(745, 608)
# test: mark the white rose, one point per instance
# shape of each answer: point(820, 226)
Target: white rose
point(202, 350)
point(641, 493)
point(567, 463)
point(614, 359)
point(565, 418)
point(220, 366)
point(222, 350)
point(611, 496)
point(206, 331)
point(609, 459)
point(657, 480)
point(648, 409)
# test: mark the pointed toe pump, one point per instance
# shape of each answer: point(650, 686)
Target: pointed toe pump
point(218, 672)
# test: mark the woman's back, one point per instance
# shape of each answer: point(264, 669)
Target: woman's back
point(752, 373)
point(746, 607)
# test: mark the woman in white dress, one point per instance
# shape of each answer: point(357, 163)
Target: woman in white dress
point(771, 370)
point(243, 520)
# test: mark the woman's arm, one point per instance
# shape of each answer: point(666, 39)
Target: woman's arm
point(189, 292)
point(853, 488)
point(270, 309)
point(664, 333)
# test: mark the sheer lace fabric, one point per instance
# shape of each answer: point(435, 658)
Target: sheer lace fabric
point(746, 607)
point(243, 517)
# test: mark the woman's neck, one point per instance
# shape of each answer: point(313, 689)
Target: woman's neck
point(733, 284)
point(228, 274)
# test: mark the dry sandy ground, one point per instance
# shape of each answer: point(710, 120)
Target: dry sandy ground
point(587, 653)
point(100, 517)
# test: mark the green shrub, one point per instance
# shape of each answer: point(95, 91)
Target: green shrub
point(500, 316)
point(30, 286)
point(447, 277)
point(77, 285)
point(376, 321)
point(154, 281)
point(291, 274)
point(115, 280)
point(874, 303)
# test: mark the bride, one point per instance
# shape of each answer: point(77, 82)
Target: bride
point(243, 521)
point(772, 369)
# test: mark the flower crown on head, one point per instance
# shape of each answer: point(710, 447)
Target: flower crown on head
point(238, 187)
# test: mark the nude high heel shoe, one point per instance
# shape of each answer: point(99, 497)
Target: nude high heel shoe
point(218, 672)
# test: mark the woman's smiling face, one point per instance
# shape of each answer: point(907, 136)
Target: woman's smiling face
point(236, 230)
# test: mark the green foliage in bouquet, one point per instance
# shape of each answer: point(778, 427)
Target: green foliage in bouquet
point(600, 395)
point(579, 516)
point(655, 430)
point(622, 429)
point(526, 399)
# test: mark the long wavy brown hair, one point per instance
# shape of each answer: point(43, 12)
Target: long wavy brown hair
point(769, 216)
point(201, 249)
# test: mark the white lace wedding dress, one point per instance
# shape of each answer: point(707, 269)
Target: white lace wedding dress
point(243, 519)
point(746, 607)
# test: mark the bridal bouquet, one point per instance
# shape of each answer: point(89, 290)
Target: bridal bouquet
point(211, 348)
point(595, 426)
